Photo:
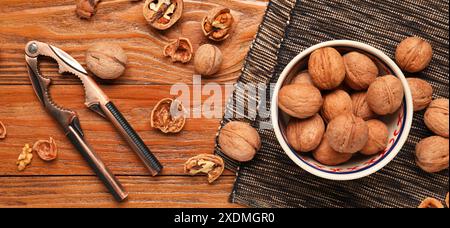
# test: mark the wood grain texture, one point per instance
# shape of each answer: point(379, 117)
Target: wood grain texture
point(122, 23)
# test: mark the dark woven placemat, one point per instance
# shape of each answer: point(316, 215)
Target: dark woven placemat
point(272, 179)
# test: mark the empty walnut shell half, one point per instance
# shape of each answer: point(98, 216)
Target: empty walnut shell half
point(46, 149)
point(162, 14)
point(431, 203)
point(179, 50)
point(2, 130)
point(208, 164)
point(217, 24)
point(168, 116)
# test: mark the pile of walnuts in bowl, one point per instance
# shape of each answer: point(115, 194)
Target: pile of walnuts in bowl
point(336, 105)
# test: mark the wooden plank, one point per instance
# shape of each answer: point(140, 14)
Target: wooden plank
point(120, 22)
point(27, 122)
point(89, 192)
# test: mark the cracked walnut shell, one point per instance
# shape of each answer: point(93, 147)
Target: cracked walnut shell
point(432, 154)
point(163, 14)
point(46, 149)
point(218, 23)
point(168, 116)
point(304, 135)
point(431, 203)
point(360, 70)
point(179, 50)
point(208, 164)
point(326, 67)
point(239, 141)
point(347, 133)
point(422, 93)
point(413, 54)
point(2, 130)
point(385, 95)
point(335, 104)
point(436, 117)
point(300, 100)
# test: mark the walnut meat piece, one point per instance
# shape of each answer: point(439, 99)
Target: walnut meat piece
point(327, 68)
point(432, 154)
point(361, 107)
point(25, 157)
point(168, 116)
point(436, 117)
point(422, 93)
point(86, 8)
point(208, 164)
point(385, 95)
point(179, 50)
point(46, 149)
point(218, 23)
point(431, 203)
point(413, 54)
point(327, 156)
point(2, 130)
point(300, 100)
point(378, 138)
point(335, 104)
point(305, 135)
point(163, 14)
point(347, 133)
point(239, 141)
point(360, 70)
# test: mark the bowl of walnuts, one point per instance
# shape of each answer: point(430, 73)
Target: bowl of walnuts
point(342, 110)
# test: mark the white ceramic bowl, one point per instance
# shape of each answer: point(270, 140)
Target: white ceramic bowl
point(399, 124)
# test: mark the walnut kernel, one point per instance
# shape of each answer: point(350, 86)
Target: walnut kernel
point(163, 14)
point(24, 158)
point(208, 164)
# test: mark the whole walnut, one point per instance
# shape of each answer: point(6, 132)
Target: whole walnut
point(432, 154)
point(304, 135)
point(326, 67)
point(208, 60)
point(378, 137)
point(300, 100)
point(422, 93)
point(239, 141)
point(327, 156)
point(361, 107)
point(385, 95)
point(302, 78)
point(436, 117)
point(413, 54)
point(335, 104)
point(106, 60)
point(360, 70)
point(347, 133)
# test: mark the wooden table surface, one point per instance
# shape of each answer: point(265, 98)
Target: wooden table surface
point(68, 181)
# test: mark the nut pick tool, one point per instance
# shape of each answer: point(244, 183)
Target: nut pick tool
point(97, 101)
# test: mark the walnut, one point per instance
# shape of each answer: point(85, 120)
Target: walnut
point(446, 200)
point(86, 8)
point(327, 156)
point(2, 130)
point(106, 60)
point(239, 141)
point(300, 100)
point(179, 50)
point(385, 95)
point(335, 104)
point(436, 117)
point(208, 60)
point(163, 14)
point(432, 154)
point(304, 135)
point(208, 164)
point(24, 158)
point(168, 116)
point(218, 23)
point(347, 133)
point(431, 203)
point(414, 54)
point(361, 107)
point(302, 78)
point(422, 93)
point(46, 149)
point(327, 68)
point(360, 70)
point(378, 137)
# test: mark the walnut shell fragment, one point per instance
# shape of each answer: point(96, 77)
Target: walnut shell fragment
point(46, 149)
point(2, 130)
point(209, 164)
point(431, 203)
point(162, 14)
point(25, 157)
point(217, 24)
point(179, 50)
point(86, 8)
point(168, 116)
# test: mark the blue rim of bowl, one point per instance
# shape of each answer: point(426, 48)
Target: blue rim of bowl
point(362, 169)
